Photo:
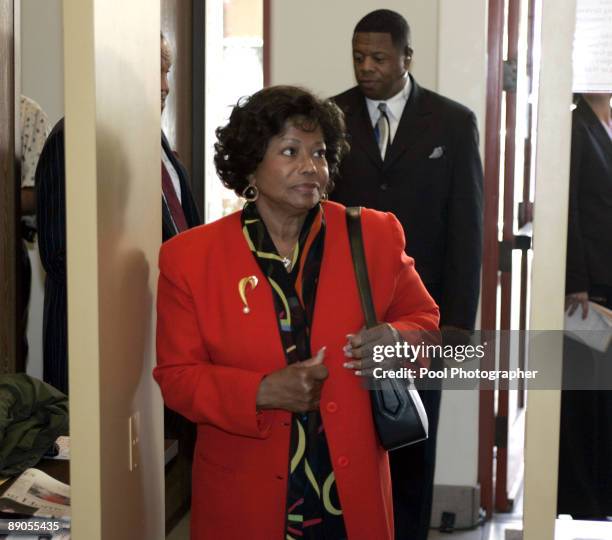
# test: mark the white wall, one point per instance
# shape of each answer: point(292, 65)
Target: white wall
point(311, 41)
point(42, 79)
point(311, 46)
point(462, 47)
point(42, 63)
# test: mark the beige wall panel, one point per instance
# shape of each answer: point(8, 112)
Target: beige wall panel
point(311, 41)
point(82, 268)
point(113, 233)
point(548, 272)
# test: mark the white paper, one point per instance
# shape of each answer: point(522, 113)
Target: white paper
point(40, 493)
point(592, 57)
point(594, 331)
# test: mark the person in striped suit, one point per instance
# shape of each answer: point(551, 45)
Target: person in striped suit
point(179, 212)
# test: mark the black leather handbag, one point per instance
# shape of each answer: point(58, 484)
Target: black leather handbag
point(397, 409)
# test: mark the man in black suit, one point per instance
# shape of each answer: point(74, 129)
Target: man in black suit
point(589, 249)
point(179, 212)
point(415, 153)
point(585, 469)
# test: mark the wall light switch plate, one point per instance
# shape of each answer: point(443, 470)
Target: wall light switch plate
point(134, 441)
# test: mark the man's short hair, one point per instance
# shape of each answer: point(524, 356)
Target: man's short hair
point(386, 21)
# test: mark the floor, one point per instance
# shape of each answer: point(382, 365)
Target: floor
point(493, 530)
point(496, 529)
point(501, 527)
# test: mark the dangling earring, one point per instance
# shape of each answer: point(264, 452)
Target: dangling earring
point(324, 196)
point(250, 193)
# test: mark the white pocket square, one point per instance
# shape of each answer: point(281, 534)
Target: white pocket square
point(437, 152)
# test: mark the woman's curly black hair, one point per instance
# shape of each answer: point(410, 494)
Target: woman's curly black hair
point(242, 143)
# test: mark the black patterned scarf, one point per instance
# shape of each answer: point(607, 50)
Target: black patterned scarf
point(313, 507)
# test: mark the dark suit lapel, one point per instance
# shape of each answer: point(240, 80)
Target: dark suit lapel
point(359, 125)
point(412, 127)
point(192, 216)
point(597, 129)
point(599, 132)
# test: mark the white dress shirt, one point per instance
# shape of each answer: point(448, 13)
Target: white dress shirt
point(395, 108)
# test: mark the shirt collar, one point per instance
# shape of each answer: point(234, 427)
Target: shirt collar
point(395, 104)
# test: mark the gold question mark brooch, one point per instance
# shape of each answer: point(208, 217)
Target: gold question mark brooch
point(242, 290)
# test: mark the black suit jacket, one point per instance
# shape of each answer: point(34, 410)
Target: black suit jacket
point(432, 181)
point(190, 209)
point(589, 228)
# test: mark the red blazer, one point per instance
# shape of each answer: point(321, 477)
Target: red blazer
point(212, 356)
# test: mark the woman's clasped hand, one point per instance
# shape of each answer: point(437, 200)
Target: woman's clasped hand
point(295, 388)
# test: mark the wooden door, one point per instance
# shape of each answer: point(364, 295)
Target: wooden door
point(507, 243)
point(11, 347)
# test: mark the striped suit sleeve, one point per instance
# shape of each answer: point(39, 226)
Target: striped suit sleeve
point(51, 206)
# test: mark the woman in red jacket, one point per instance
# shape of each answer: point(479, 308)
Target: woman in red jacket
point(259, 336)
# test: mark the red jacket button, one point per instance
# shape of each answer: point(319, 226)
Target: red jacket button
point(331, 406)
point(343, 461)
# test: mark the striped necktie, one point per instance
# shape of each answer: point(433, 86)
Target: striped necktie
point(382, 130)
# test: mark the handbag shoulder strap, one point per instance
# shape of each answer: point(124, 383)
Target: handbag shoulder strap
point(353, 223)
